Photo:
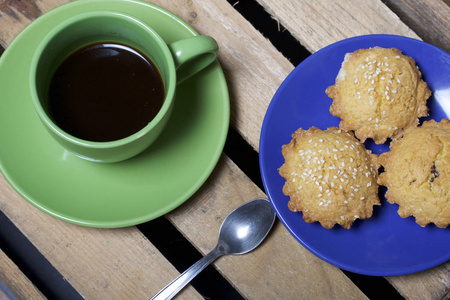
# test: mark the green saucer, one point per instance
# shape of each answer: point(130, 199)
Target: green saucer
point(119, 194)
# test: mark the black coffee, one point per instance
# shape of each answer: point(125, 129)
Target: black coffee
point(105, 92)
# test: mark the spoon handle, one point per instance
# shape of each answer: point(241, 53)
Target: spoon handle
point(181, 281)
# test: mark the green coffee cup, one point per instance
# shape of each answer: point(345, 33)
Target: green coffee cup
point(175, 62)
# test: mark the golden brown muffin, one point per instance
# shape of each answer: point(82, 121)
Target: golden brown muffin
point(378, 93)
point(417, 173)
point(330, 177)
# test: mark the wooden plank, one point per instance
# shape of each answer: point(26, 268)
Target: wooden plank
point(253, 67)
point(312, 30)
point(430, 19)
point(254, 70)
point(98, 263)
point(280, 268)
point(433, 284)
point(313, 23)
point(94, 251)
point(316, 24)
point(16, 15)
point(219, 193)
point(16, 281)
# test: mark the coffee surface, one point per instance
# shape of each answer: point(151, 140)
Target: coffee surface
point(105, 92)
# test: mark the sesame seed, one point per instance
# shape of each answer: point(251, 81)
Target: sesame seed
point(362, 198)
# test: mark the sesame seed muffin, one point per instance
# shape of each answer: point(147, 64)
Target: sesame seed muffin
point(378, 93)
point(417, 173)
point(330, 177)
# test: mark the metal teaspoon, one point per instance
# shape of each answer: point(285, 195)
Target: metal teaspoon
point(241, 232)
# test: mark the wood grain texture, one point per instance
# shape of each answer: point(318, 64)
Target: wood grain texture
point(317, 24)
point(74, 250)
point(122, 263)
point(98, 263)
point(314, 30)
point(16, 281)
point(433, 284)
point(280, 268)
point(253, 67)
point(430, 19)
point(16, 15)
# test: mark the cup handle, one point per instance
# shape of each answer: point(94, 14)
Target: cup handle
point(193, 54)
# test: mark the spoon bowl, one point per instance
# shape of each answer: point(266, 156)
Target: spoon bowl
point(241, 232)
point(246, 227)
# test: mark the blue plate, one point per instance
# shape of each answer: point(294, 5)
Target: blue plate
point(384, 245)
